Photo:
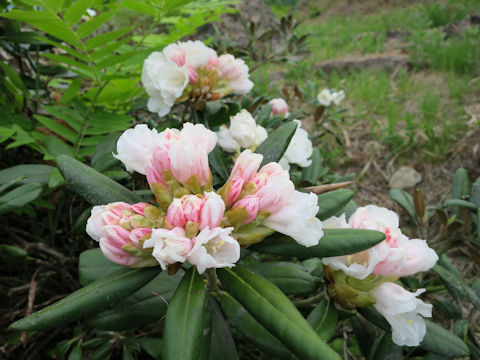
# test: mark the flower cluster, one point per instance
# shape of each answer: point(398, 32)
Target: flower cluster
point(191, 71)
point(193, 222)
point(377, 268)
point(327, 97)
point(242, 133)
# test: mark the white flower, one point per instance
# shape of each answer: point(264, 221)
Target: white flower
point(243, 128)
point(96, 223)
point(284, 163)
point(169, 246)
point(297, 218)
point(236, 71)
point(164, 81)
point(226, 141)
point(337, 97)
point(214, 248)
point(91, 12)
point(325, 97)
point(300, 148)
point(403, 311)
point(279, 106)
point(135, 147)
point(260, 135)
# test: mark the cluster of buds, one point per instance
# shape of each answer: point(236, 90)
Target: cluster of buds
point(191, 71)
point(369, 277)
point(193, 222)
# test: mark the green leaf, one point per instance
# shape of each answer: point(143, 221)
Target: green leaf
point(462, 203)
point(72, 91)
point(456, 286)
point(184, 320)
point(55, 147)
point(13, 76)
point(141, 7)
point(323, 319)
point(461, 186)
point(335, 242)
point(332, 202)
point(76, 11)
point(443, 342)
point(106, 37)
point(222, 345)
point(55, 126)
point(312, 172)
point(93, 298)
point(251, 329)
point(387, 350)
point(55, 179)
point(76, 354)
point(29, 173)
point(405, 200)
point(20, 196)
point(94, 187)
point(289, 277)
point(277, 142)
point(93, 265)
point(87, 28)
point(275, 312)
point(54, 5)
point(216, 161)
point(147, 305)
point(152, 346)
point(103, 159)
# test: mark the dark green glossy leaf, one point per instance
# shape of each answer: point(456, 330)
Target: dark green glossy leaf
point(405, 200)
point(222, 345)
point(332, 202)
point(216, 161)
point(271, 308)
point(387, 350)
point(93, 265)
point(93, 298)
point(94, 187)
point(20, 196)
point(335, 242)
point(323, 319)
point(152, 346)
point(147, 305)
point(277, 142)
point(443, 342)
point(289, 277)
point(28, 173)
point(184, 320)
point(251, 329)
point(456, 286)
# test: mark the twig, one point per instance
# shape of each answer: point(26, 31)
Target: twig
point(320, 189)
point(31, 298)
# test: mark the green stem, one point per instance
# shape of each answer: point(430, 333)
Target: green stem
point(212, 280)
point(308, 302)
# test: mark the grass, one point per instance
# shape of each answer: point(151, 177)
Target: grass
point(409, 112)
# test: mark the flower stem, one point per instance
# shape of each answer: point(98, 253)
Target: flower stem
point(308, 302)
point(212, 281)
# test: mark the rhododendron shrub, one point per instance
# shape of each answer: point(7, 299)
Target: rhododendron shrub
point(222, 180)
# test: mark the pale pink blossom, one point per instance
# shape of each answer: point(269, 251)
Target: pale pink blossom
point(175, 214)
point(135, 147)
point(243, 128)
point(192, 53)
point(169, 246)
point(279, 106)
point(403, 311)
point(235, 190)
point(192, 207)
point(297, 218)
point(112, 243)
point(236, 71)
point(214, 248)
point(251, 204)
point(160, 159)
point(275, 194)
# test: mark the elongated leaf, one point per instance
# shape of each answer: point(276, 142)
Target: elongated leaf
point(76, 11)
point(461, 186)
point(216, 161)
point(20, 196)
point(93, 265)
point(387, 350)
point(277, 142)
point(251, 329)
point(462, 203)
point(27, 173)
point(271, 308)
point(288, 277)
point(332, 202)
point(225, 348)
point(147, 305)
point(94, 187)
point(184, 320)
point(440, 341)
point(456, 286)
point(335, 242)
point(106, 37)
point(323, 319)
point(141, 7)
point(87, 28)
point(312, 172)
point(98, 296)
point(405, 200)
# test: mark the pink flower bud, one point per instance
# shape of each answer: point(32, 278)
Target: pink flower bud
point(212, 211)
point(246, 165)
point(275, 194)
point(175, 214)
point(138, 234)
point(192, 75)
point(192, 206)
point(112, 245)
point(279, 106)
point(250, 203)
point(235, 190)
point(160, 159)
